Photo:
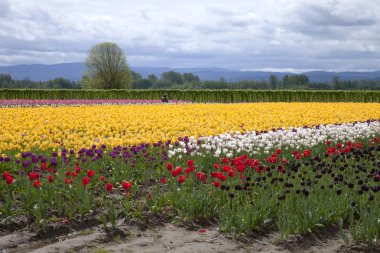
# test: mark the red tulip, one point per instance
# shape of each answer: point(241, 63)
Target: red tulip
point(77, 169)
point(85, 181)
point(201, 176)
point(6, 174)
point(181, 179)
point(306, 153)
point(190, 163)
point(216, 166)
point(109, 187)
point(68, 181)
point(33, 175)
point(176, 171)
point(102, 178)
point(50, 178)
point(219, 175)
point(169, 166)
point(225, 160)
point(37, 183)
point(163, 180)
point(226, 168)
point(126, 185)
point(43, 166)
point(278, 151)
point(9, 179)
point(216, 183)
point(272, 159)
point(284, 161)
point(90, 173)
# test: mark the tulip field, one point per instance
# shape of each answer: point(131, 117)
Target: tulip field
point(246, 168)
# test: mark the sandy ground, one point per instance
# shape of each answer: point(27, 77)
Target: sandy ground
point(165, 238)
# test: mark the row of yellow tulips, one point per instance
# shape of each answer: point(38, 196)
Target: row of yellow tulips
point(76, 127)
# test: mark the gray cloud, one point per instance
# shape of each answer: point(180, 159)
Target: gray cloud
point(275, 34)
point(4, 8)
point(325, 16)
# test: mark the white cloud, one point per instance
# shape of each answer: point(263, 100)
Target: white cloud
point(240, 34)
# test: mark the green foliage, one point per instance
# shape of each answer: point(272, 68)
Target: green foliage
point(190, 78)
point(172, 76)
point(107, 68)
point(202, 96)
point(6, 81)
point(195, 204)
point(294, 81)
point(250, 212)
point(273, 82)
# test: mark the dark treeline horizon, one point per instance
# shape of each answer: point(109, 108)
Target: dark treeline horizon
point(189, 81)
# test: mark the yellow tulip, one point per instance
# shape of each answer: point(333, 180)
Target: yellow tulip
point(83, 126)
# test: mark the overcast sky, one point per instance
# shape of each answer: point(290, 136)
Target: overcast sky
point(239, 34)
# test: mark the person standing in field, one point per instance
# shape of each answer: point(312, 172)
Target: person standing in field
point(165, 99)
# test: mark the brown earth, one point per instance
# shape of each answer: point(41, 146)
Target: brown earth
point(167, 237)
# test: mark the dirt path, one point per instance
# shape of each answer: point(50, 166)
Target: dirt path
point(166, 238)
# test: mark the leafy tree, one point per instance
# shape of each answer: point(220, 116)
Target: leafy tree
point(60, 83)
point(136, 76)
point(319, 86)
point(295, 81)
point(5, 78)
point(335, 83)
point(303, 79)
point(172, 76)
point(142, 84)
point(285, 81)
point(162, 84)
point(190, 78)
point(152, 78)
point(107, 68)
point(273, 81)
point(215, 85)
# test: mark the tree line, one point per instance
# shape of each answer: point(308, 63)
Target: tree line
point(7, 82)
point(186, 81)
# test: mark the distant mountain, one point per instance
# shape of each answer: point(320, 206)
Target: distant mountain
point(324, 77)
point(74, 72)
point(231, 75)
point(41, 72)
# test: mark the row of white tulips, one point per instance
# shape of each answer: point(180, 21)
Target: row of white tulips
point(229, 144)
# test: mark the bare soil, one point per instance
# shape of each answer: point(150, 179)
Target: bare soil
point(165, 237)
